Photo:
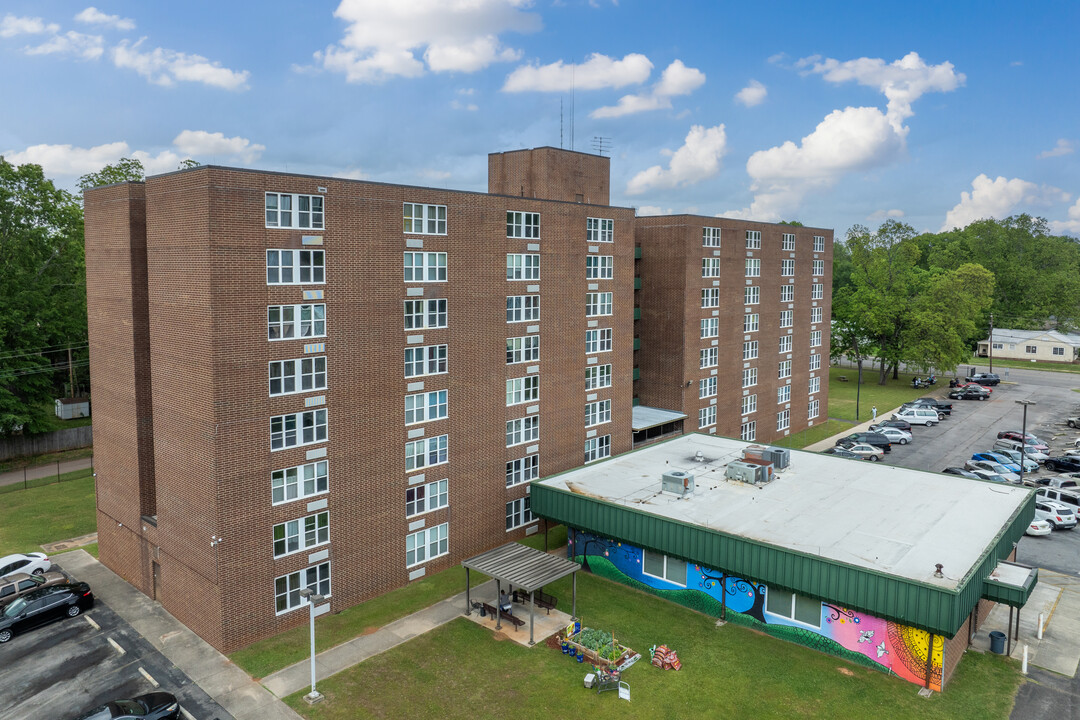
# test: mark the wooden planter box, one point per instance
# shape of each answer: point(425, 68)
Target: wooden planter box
point(592, 656)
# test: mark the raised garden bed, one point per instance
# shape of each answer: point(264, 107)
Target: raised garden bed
point(599, 647)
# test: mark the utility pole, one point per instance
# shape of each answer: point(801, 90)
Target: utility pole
point(71, 376)
point(991, 342)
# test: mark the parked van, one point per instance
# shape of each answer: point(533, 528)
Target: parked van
point(1029, 452)
point(918, 416)
point(1063, 496)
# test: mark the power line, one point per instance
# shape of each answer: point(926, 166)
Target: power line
point(34, 371)
point(61, 348)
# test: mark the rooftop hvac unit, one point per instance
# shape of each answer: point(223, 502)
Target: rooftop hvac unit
point(744, 472)
point(765, 468)
point(779, 457)
point(757, 452)
point(677, 482)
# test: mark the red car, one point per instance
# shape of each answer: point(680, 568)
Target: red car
point(1028, 439)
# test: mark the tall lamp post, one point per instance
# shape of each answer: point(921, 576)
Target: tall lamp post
point(1023, 433)
point(312, 597)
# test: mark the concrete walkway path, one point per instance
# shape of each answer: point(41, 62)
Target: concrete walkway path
point(37, 472)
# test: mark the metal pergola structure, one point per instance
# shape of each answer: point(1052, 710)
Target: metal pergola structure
point(524, 568)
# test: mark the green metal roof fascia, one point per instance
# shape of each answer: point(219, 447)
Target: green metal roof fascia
point(1010, 594)
point(919, 605)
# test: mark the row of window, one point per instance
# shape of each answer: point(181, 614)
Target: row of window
point(710, 237)
point(710, 297)
point(753, 267)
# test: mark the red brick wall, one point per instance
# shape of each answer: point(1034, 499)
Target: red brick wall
point(549, 173)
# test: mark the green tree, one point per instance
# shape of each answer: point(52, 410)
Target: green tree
point(124, 170)
point(42, 296)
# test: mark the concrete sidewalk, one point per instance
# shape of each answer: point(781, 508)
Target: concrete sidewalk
point(37, 472)
point(228, 685)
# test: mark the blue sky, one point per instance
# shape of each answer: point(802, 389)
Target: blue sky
point(934, 113)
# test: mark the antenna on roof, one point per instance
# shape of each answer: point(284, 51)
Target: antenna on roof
point(573, 91)
point(600, 144)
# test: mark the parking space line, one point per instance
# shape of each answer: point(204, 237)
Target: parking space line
point(148, 676)
point(93, 624)
point(116, 646)
point(186, 714)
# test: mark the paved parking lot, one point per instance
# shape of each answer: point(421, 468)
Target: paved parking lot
point(65, 668)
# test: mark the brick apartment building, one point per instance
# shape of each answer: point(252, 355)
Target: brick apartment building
point(345, 385)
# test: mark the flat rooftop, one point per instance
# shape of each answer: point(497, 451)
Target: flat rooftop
point(897, 521)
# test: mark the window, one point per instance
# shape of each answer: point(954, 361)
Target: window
point(599, 230)
point(599, 267)
point(522, 390)
point(749, 350)
point(999, 346)
point(522, 267)
point(287, 587)
point(302, 534)
point(597, 304)
point(421, 219)
point(425, 407)
point(299, 482)
point(815, 362)
point(301, 375)
point(597, 413)
point(753, 267)
point(815, 315)
point(749, 377)
point(1030, 349)
point(748, 431)
point(710, 327)
point(783, 394)
point(522, 349)
point(819, 267)
point(710, 297)
point(710, 237)
point(817, 291)
point(427, 360)
point(819, 243)
point(815, 338)
point(426, 452)
point(522, 430)
point(522, 225)
point(709, 357)
point(787, 318)
point(751, 295)
point(710, 268)
point(425, 267)
point(795, 607)
point(421, 499)
point(787, 242)
point(783, 420)
point(425, 314)
point(283, 322)
point(522, 308)
point(597, 376)
point(663, 567)
point(597, 448)
point(518, 513)
point(785, 344)
point(787, 268)
point(750, 322)
point(295, 267)
point(749, 404)
point(296, 429)
point(1059, 351)
point(522, 470)
point(815, 385)
point(787, 293)
point(785, 369)
point(426, 545)
point(598, 340)
point(706, 416)
point(813, 409)
point(707, 387)
point(753, 239)
point(286, 210)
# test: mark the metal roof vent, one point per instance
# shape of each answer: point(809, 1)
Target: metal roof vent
point(699, 456)
point(677, 482)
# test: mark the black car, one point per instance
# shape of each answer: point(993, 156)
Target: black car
point(898, 424)
point(153, 706)
point(961, 472)
point(870, 438)
point(1065, 464)
point(983, 378)
point(969, 393)
point(942, 408)
point(842, 452)
point(43, 606)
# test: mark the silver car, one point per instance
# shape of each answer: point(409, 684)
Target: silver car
point(993, 467)
point(895, 435)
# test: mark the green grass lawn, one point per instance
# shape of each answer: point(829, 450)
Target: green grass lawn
point(47, 459)
point(815, 434)
point(893, 393)
point(29, 518)
point(462, 670)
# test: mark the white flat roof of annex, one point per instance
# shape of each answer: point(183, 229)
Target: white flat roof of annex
point(894, 520)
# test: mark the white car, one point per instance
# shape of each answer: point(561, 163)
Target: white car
point(895, 435)
point(869, 452)
point(993, 467)
point(1058, 514)
point(992, 476)
point(1038, 527)
point(35, 562)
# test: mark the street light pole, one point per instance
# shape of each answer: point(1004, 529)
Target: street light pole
point(1023, 434)
point(314, 696)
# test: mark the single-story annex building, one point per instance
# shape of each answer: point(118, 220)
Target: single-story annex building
point(1041, 345)
point(887, 567)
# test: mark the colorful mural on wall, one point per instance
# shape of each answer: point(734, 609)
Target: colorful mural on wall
point(855, 636)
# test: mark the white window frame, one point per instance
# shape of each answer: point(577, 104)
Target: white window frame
point(522, 470)
point(521, 224)
point(813, 409)
point(287, 587)
point(426, 407)
point(520, 431)
point(309, 319)
point(783, 394)
point(791, 612)
point(1058, 351)
point(753, 239)
point(425, 314)
point(710, 267)
point(522, 390)
point(597, 448)
point(664, 576)
point(749, 377)
point(815, 362)
point(819, 243)
point(299, 375)
point(424, 267)
point(597, 340)
point(597, 376)
point(297, 217)
point(707, 416)
point(753, 267)
point(787, 242)
point(302, 534)
point(751, 322)
point(425, 360)
point(519, 513)
point(784, 369)
point(427, 452)
point(710, 327)
point(290, 267)
point(707, 387)
point(597, 413)
point(427, 544)
point(787, 293)
point(815, 385)
point(598, 304)
point(818, 267)
point(523, 349)
point(426, 497)
point(749, 349)
point(749, 404)
point(522, 308)
point(815, 315)
point(1031, 349)
point(599, 267)
point(710, 237)
point(783, 420)
point(817, 291)
point(708, 357)
point(309, 427)
point(299, 482)
point(815, 338)
point(785, 343)
point(787, 268)
point(599, 230)
point(710, 297)
point(748, 431)
point(751, 295)
point(423, 219)
point(522, 266)
point(787, 318)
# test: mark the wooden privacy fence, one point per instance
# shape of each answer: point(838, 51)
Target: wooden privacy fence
point(67, 439)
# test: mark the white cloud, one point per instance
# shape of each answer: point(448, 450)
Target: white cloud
point(67, 159)
point(350, 174)
point(382, 38)
point(165, 67)
point(1063, 147)
point(93, 16)
point(647, 210)
point(698, 159)
point(10, 26)
point(885, 214)
point(199, 143)
point(997, 198)
point(599, 71)
point(753, 94)
point(677, 79)
point(1072, 225)
point(87, 47)
point(458, 105)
